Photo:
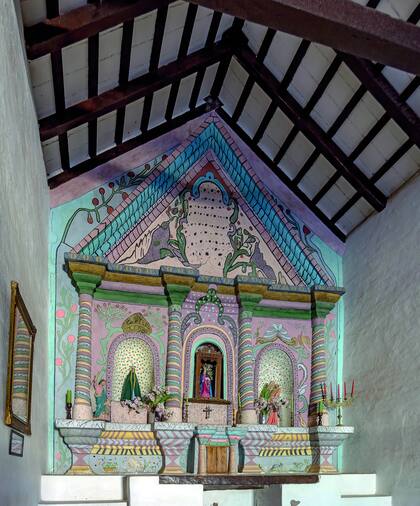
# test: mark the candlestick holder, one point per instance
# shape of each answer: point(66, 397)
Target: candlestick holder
point(338, 404)
point(69, 405)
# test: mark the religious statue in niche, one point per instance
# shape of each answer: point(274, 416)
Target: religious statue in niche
point(101, 402)
point(206, 378)
point(208, 372)
point(131, 386)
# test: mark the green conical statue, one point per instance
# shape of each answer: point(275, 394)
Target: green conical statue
point(131, 387)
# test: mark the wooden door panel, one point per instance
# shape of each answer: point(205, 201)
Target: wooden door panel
point(217, 459)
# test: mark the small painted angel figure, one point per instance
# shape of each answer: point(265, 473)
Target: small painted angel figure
point(206, 389)
point(100, 396)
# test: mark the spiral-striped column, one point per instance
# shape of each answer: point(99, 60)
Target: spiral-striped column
point(323, 301)
point(173, 362)
point(82, 408)
point(246, 367)
point(319, 359)
point(86, 284)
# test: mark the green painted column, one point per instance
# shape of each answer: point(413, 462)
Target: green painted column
point(86, 285)
point(176, 293)
point(247, 302)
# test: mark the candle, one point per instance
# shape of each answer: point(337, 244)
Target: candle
point(331, 392)
point(68, 397)
point(345, 391)
point(352, 389)
point(338, 391)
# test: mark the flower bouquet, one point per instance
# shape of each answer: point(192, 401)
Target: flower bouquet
point(135, 404)
point(269, 403)
point(155, 402)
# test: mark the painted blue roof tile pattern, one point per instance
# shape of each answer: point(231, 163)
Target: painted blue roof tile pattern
point(209, 138)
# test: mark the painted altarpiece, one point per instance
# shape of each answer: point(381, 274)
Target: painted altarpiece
point(195, 217)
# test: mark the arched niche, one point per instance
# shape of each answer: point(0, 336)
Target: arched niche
point(210, 334)
point(208, 362)
point(275, 363)
point(129, 350)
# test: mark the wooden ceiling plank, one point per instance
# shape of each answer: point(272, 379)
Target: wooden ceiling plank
point(317, 94)
point(386, 95)
point(140, 87)
point(369, 136)
point(323, 84)
point(347, 206)
point(326, 188)
point(312, 131)
point(125, 59)
point(211, 37)
point(268, 116)
point(93, 73)
point(126, 146)
point(243, 99)
point(60, 104)
point(286, 144)
point(342, 24)
point(159, 32)
point(280, 174)
point(296, 61)
point(392, 160)
point(182, 52)
point(83, 22)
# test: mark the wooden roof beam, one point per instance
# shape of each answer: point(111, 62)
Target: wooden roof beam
point(295, 112)
point(143, 86)
point(342, 24)
point(386, 95)
point(128, 145)
point(83, 22)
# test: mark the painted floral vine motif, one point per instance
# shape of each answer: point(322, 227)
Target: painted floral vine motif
point(109, 313)
point(66, 316)
point(105, 200)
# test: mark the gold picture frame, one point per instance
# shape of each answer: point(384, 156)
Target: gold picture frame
point(20, 364)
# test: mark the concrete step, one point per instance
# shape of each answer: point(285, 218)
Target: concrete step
point(83, 503)
point(357, 484)
point(147, 491)
point(366, 500)
point(62, 489)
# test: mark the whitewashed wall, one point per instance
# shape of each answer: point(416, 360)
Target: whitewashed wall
point(23, 255)
point(382, 346)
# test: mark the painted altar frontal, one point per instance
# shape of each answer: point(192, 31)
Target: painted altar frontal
point(201, 287)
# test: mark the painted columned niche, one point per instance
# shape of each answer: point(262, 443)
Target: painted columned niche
point(184, 292)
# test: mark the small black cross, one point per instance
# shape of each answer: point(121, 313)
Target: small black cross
point(207, 411)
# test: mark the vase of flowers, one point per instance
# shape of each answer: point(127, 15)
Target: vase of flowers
point(155, 402)
point(269, 403)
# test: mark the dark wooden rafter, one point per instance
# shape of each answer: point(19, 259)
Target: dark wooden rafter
point(317, 94)
point(392, 160)
point(281, 175)
point(182, 52)
point(342, 24)
point(310, 128)
point(142, 86)
point(125, 59)
point(83, 22)
point(380, 88)
point(53, 8)
point(262, 53)
point(60, 104)
point(211, 37)
point(128, 145)
point(160, 23)
point(93, 69)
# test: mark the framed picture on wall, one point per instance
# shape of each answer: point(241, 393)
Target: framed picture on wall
point(16, 444)
point(19, 373)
